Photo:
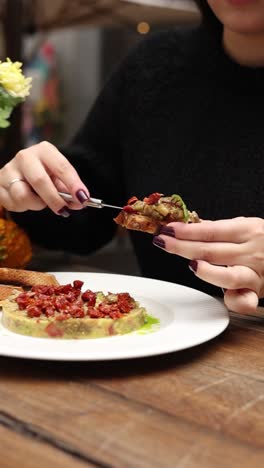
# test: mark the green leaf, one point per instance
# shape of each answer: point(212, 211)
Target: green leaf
point(5, 113)
point(4, 123)
point(7, 100)
point(7, 104)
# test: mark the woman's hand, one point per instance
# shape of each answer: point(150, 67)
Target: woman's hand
point(41, 171)
point(226, 253)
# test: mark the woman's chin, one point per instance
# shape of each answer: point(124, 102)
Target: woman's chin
point(243, 24)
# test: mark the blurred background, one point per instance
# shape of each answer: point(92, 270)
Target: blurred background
point(70, 48)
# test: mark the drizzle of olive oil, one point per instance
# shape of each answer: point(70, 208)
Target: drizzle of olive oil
point(151, 324)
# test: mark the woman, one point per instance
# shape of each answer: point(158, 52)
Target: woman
point(183, 113)
point(237, 243)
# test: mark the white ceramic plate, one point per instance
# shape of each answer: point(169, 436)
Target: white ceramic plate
point(187, 318)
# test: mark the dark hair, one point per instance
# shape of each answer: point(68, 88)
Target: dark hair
point(209, 17)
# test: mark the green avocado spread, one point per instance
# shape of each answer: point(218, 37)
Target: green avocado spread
point(151, 324)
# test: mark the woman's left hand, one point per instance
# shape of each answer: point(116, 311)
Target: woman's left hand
point(227, 253)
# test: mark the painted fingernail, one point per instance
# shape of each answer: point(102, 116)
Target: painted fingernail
point(159, 242)
point(82, 196)
point(167, 231)
point(64, 212)
point(193, 265)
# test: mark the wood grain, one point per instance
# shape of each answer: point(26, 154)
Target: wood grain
point(118, 432)
point(23, 452)
point(199, 408)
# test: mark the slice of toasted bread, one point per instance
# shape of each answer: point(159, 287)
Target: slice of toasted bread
point(137, 222)
point(154, 211)
point(11, 276)
point(6, 290)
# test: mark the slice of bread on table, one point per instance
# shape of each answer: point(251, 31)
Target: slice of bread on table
point(14, 279)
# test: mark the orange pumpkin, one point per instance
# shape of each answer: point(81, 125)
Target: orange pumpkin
point(15, 246)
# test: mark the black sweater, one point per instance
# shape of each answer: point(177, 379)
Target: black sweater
point(178, 116)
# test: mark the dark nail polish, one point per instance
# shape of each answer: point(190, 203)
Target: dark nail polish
point(64, 212)
point(167, 231)
point(193, 265)
point(158, 242)
point(82, 196)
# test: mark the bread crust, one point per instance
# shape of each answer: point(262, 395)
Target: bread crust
point(26, 278)
point(137, 222)
point(6, 290)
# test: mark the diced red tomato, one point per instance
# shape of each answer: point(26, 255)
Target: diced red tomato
point(104, 308)
point(90, 297)
point(128, 209)
point(67, 301)
point(71, 297)
point(153, 198)
point(77, 284)
point(77, 312)
point(125, 296)
point(22, 302)
point(53, 331)
point(132, 200)
point(111, 330)
point(61, 303)
point(49, 312)
point(94, 313)
point(125, 302)
point(33, 311)
point(115, 314)
point(65, 289)
point(62, 317)
point(125, 307)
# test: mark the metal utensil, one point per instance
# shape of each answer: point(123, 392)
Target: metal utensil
point(92, 202)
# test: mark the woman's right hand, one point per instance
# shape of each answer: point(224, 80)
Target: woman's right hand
point(42, 171)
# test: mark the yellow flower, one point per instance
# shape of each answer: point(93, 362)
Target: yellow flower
point(13, 80)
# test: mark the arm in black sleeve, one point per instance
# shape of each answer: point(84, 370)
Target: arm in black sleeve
point(96, 155)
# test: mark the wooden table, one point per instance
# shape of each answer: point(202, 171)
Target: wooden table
point(203, 408)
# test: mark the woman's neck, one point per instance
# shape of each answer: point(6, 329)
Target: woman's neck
point(246, 49)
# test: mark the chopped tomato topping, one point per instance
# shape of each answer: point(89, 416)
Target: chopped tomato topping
point(125, 302)
point(64, 302)
point(90, 297)
point(33, 311)
point(115, 314)
point(153, 198)
point(78, 284)
point(104, 308)
point(47, 290)
point(22, 302)
point(71, 297)
point(94, 313)
point(62, 317)
point(77, 312)
point(52, 330)
point(110, 310)
point(132, 200)
point(128, 209)
point(50, 311)
point(111, 330)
